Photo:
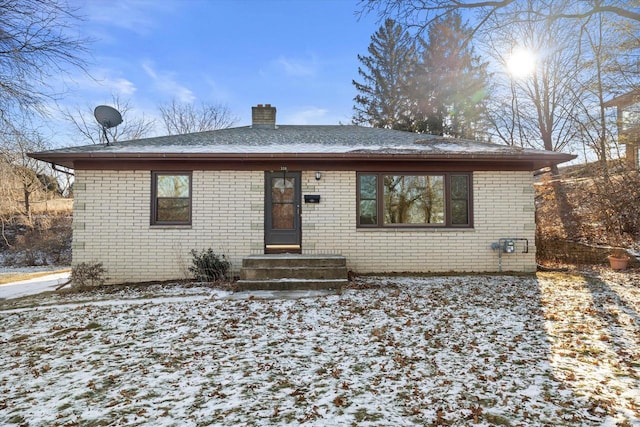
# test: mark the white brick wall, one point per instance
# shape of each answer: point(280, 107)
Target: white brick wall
point(112, 225)
point(503, 207)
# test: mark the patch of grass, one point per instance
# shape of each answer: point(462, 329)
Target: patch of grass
point(64, 407)
point(281, 384)
point(66, 331)
point(18, 419)
point(19, 338)
point(89, 395)
point(93, 325)
point(359, 367)
point(362, 415)
point(91, 423)
point(496, 420)
point(90, 326)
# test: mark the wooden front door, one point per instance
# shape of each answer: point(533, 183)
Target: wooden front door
point(282, 212)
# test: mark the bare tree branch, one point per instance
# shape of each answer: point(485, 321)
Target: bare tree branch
point(36, 45)
point(89, 130)
point(542, 105)
point(419, 14)
point(599, 9)
point(15, 143)
point(181, 118)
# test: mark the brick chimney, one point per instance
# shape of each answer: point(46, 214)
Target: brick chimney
point(263, 116)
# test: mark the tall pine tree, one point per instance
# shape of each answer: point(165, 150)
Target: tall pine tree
point(383, 100)
point(450, 82)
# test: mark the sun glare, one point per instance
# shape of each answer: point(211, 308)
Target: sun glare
point(521, 63)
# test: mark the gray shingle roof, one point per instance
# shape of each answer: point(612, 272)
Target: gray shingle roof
point(282, 138)
point(288, 140)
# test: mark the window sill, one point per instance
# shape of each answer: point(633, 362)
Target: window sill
point(416, 229)
point(170, 227)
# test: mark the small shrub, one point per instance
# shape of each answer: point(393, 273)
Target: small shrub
point(88, 274)
point(209, 267)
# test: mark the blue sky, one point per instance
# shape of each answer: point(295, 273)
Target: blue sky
point(298, 55)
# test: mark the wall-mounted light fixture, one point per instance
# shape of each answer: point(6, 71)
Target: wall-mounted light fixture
point(318, 175)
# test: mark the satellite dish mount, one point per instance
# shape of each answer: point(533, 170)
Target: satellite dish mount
point(108, 117)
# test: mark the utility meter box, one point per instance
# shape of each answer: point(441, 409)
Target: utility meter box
point(509, 246)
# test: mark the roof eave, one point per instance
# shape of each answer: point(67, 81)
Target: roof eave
point(537, 160)
point(623, 100)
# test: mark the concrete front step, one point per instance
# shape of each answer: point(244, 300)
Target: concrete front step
point(294, 260)
point(293, 272)
point(289, 284)
point(319, 273)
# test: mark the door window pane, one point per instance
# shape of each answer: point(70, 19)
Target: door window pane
point(282, 190)
point(283, 203)
point(282, 216)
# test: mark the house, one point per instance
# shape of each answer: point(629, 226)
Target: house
point(628, 124)
point(386, 200)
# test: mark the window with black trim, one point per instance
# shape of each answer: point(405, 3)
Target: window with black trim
point(414, 200)
point(170, 198)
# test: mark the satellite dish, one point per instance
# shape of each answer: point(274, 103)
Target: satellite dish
point(108, 117)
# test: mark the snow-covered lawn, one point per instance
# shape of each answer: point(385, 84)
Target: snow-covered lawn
point(554, 349)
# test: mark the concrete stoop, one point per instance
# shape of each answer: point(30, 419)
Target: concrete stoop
point(285, 272)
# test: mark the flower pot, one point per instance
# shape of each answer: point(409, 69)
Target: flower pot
point(618, 262)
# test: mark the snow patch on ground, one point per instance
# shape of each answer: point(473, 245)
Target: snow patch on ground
point(554, 349)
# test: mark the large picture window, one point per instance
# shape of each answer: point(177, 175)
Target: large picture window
point(416, 200)
point(171, 198)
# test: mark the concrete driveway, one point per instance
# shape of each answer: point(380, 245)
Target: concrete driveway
point(33, 286)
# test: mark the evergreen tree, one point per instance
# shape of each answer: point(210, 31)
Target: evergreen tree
point(450, 82)
point(382, 99)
